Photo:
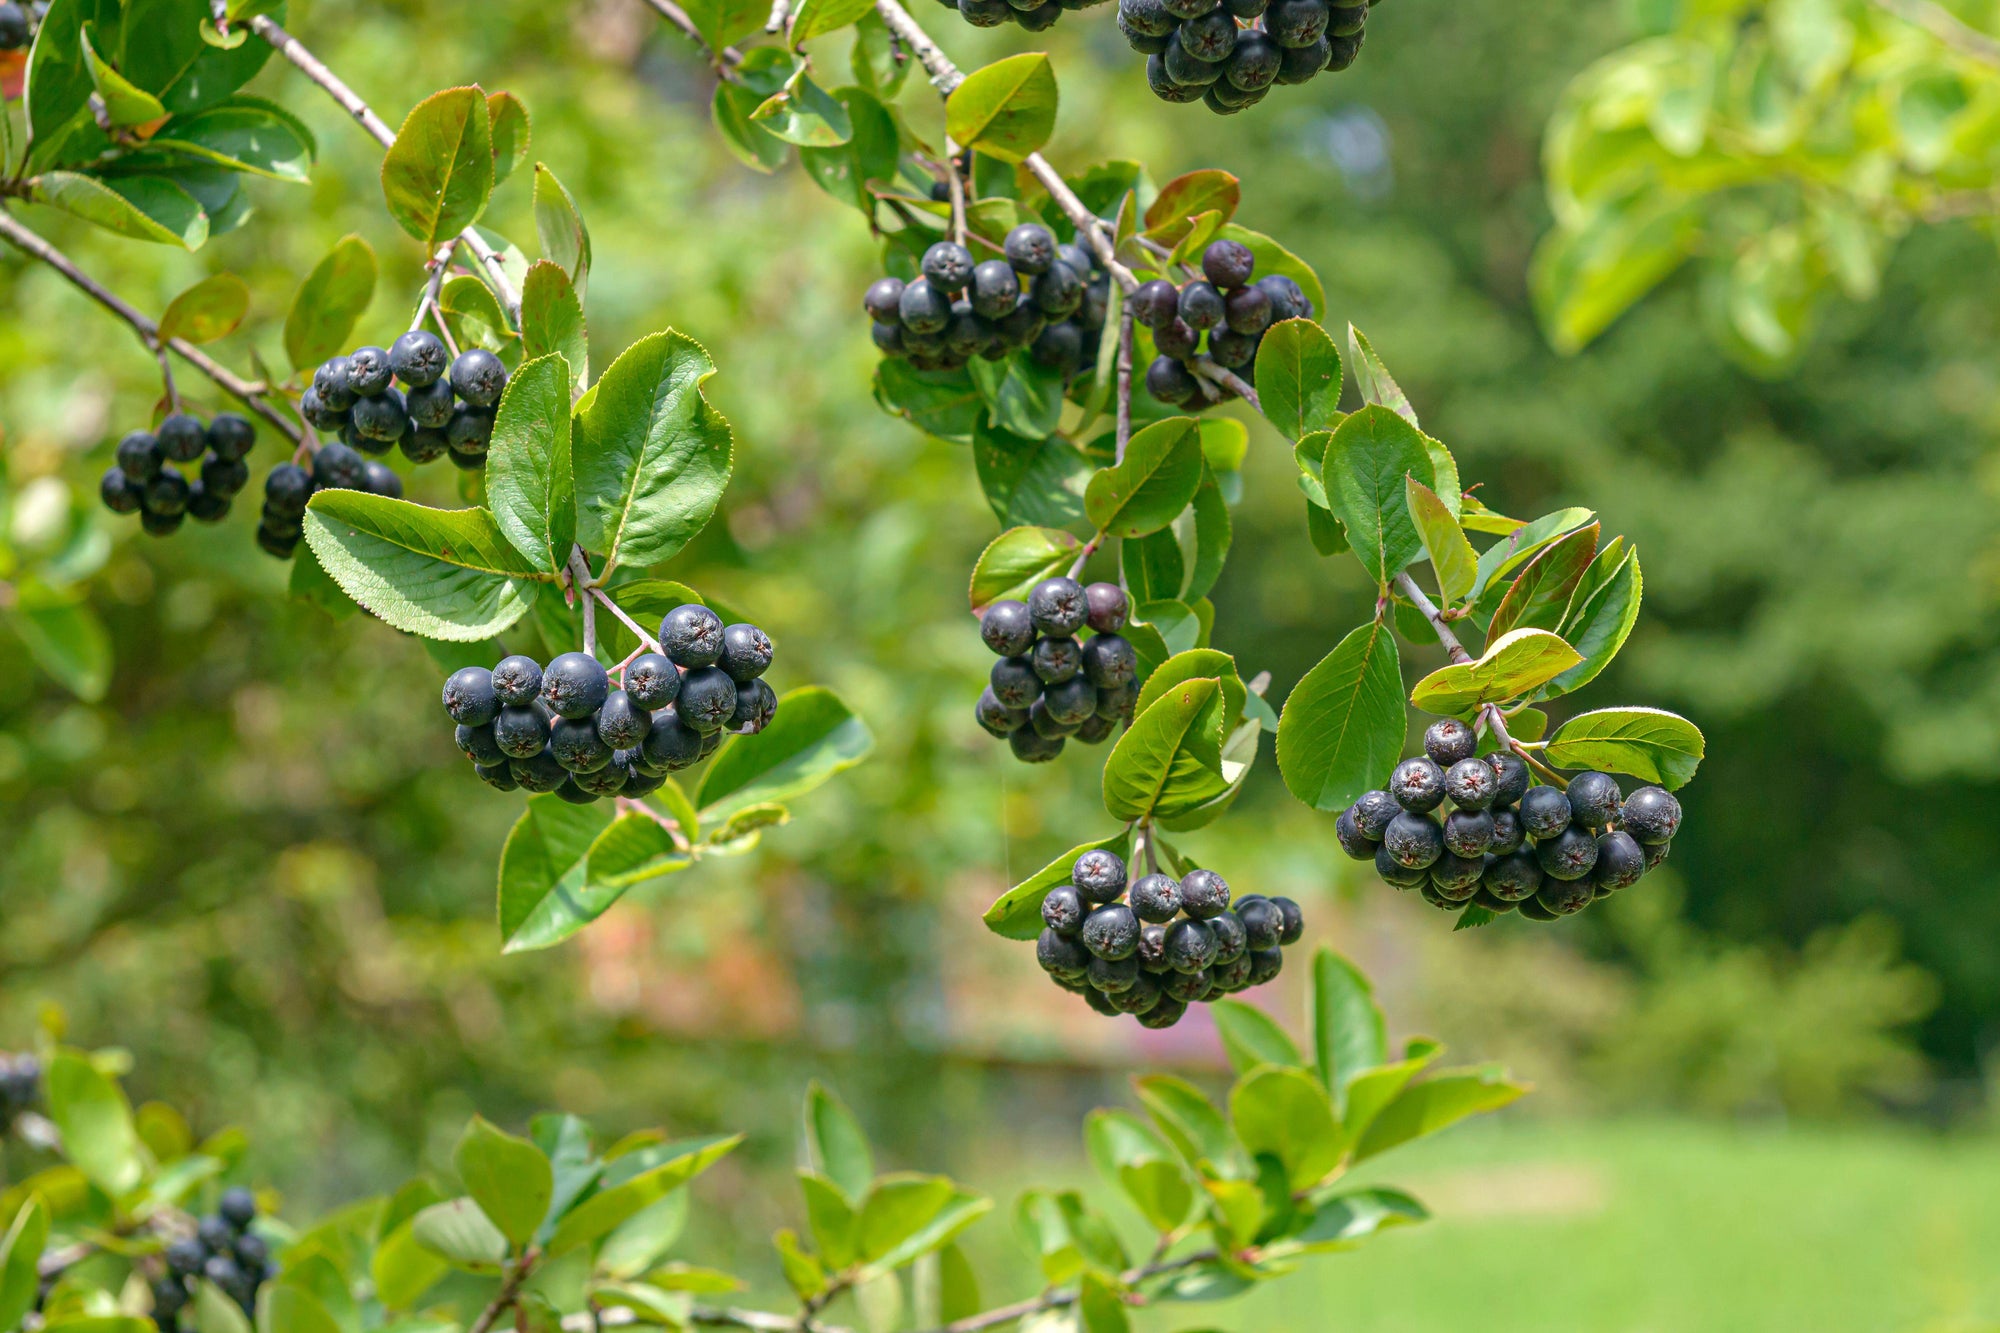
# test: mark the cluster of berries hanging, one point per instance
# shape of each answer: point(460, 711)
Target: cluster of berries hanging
point(1034, 15)
point(1048, 686)
point(563, 729)
point(1224, 304)
point(144, 480)
point(443, 407)
point(1505, 844)
point(290, 486)
point(1155, 947)
point(224, 1251)
point(1229, 53)
point(1046, 297)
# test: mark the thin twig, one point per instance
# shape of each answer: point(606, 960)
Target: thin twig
point(579, 580)
point(251, 393)
point(1947, 27)
point(510, 1288)
point(1208, 369)
point(677, 16)
point(646, 641)
point(167, 377)
point(1124, 380)
point(956, 185)
point(316, 70)
point(1490, 713)
point(1083, 556)
point(776, 23)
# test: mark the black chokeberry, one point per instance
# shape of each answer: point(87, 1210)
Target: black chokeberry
point(430, 406)
point(1227, 263)
point(1056, 660)
point(522, 730)
point(1164, 1014)
point(1414, 840)
point(1468, 832)
point(1296, 23)
point(1191, 945)
point(418, 358)
point(577, 746)
point(1162, 83)
point(746, 652)
point(1057, 291)
point(120, 495)
point(1064, 909)
point(1246, 310)
point(1253, 65)
point(1116, 703)
point(756, 705)
point(1030, 248)
point(1545, 812)
point(1113, 976)
point(479, 743)
point(609, 780)
point(575, 685)
point(1070, 702)
point(670, 744)
point(1140, 998)
point(1620, 861)
point(1396, 874)
point(1352, 840)
point(469, 696)
point(1652, 815)
point(1170, 381)
point(424, 445)
point(1109, 661)
point(1508, 835)
point(1031, 747)
point(337, 467)
point(691, 636)
point(1058, 606)
point(478, 376)
point(884, 300)
point(1455, 877)
point(1594, 799)
point(1152, 950)
point(237, 1206)
point(1449, 741)
point(1201, 304)
point(1187, 69)
point(224, 476)
point(1014, 682)
point(997, 718)
point(1007, 628)
point(539, 772)
point(182, 437)
point(1564, 897)
point(1288, 299)
point(1156, 303)
point(1568, 855)
point(948, 266)
point(1156, 898)
point(139, 457)
point(1095, 730)
point(368, 370)
point(1294, 919)
point(1058, 346)
point(381, 479)
point(1111, 931)
point(230, 436)
point(923, 308)
point(469, 432)
point(517, 680)
point(1373, 811)
point(621, 721)
point(1514, 876)
point(1230, 940)
point(1418, 785)
point(1099, 875)
point(995, 289)
point(333, 384)
point(1204, 894)
point(166, 494)
point(708, 698)
point(652, 680)
point(1512, 772)
point(498, 776)
point(205, 505)
point(1470, 783)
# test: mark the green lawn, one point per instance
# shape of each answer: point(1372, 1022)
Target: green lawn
point(1663, 1227)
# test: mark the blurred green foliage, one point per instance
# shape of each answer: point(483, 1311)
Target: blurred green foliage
point(259, 862)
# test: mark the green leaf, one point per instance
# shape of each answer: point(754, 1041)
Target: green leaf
point(96, 1123)
point(1017, 560)
point(441, 573)
point(1006, 110)
point(1598, 627)
point(1427, 1107)
point(802, 1271)
point(529, 481)
point(726, 22)
point(1030, 479)
point(945, 403)
point(476, 318)
point(67, 640)
point(1590, 270)
point(565, 240)
point(1374, 1089)
point(401, 1268)
point(125, 103)
point(1452, 558)
point(1343, 1221)
point(960, 1211)
point(146, 208)
point(831, 1217)
point(244, 134)
point(958, 1286)
point(804, 113)
point(507, 130)
point(1285, 1113)
point(508, 1178)
point(209, 310)
point(543, 873)
point(877, 59)
point(1539, 596)
point(1342, 728)
point(58, 83)
point(1378, 387)
point(1153, 567)
point(1017, 913)
point(1515, 664)
point(20, 1252)
point(552, 320)
point(328, 302)
point(1024, 397)
point(652, 457)
point(1188, 196)
point(1158, 479)
point(459, 1232)
point(753, 145)
point(1298, 378)
point(217, 1313)
point(1194, 664)
point(1521, 545)
point(1192, 1124)
point(1651, 744)
point(814, 736)
point(1251, 1037)
point(1160, 763)
point(896, 1208)
point(1368, 459)
point(1129, 1154)
point(437, 175)
point(643, 1239)
point(1349, 1036)
point(1212, 534)
point(656, 1172)
point(839, 1149)
point(814, 18)
point(1100, 1308)
point(869, 155)
point(634, 849)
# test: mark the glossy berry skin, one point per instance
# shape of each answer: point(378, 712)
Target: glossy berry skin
point(1545, 812)
point(1652, 815)
point(418, 358)
point(651, 680)
point(479, 744)
point(1057, 292)
point(380, 417)
point(1156, 898)
point(923, 308)
point(1414, 841)
point(1030, 248)
point(948, 266)
point(1227, 263)
point(539, 772)
point(1156, 303)
point(120, 495)
point(1512, 774)
point(1620, 861)
point(1201, 304)
point(670, 743)
point(521, 731)
point(1456, 877)
point(469, 696)
point(1187, 987)
point(1296, 23)
point(1014, 682)
point(331, 382)
point(1116, 704)
point(1113, 976)
point(746, 652)
point(1031, 747)
point(182, 437)
point(1007, 627)
point(575, 685)
point(424, 445)
point(1204, 894)
point(1106, 607)
point(1163, 1015)
point(237, 1206)
point(1251, 66)
point(1064, 909)
point(1396, 874)
point(478, 376)
point(569, 791)
point(1569, 855)
point(1141, 997)
point(1508, 835)
point(430, 406)
point(1071, 702)
point(1169, 381)
point(1111, 931)
point(1152, 951)
point(1099, 875)
point(1352, 840)
point(997, 718)
point(1043, 723)
point(1656, 852)
point(1470, 783)
point(1230, 940)
point(517, 680)
point(995, 289)
point(621, 722)
point(1056, 660)
point(609, 780)
point(1418, 785)
point(1373, 811)
point(368, 370)
point(1095, 730)
point(1449, 741)
point(287, 489)
point(381, 479)
point(139, 457)
point(1565, 897)
point(1288, 299)
point(1594, 799)
point(224, 476)
point(691, 636)
point(337, 467)
point(1515, 876)
point(1294, 918)
point(1061, 955)
point(1190, 945)
point(577, 746)
point(230, 436)
point(884, 300)
point(1263, 923)
point(470, 431)
point(1109, 661)
point(1468, 832)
